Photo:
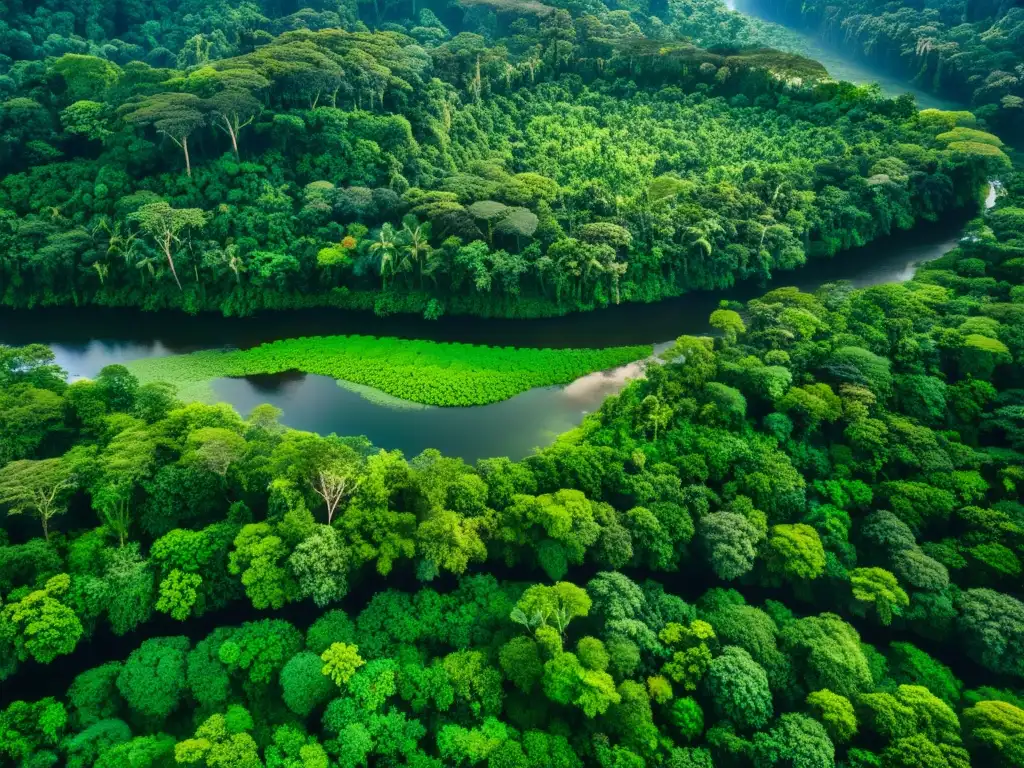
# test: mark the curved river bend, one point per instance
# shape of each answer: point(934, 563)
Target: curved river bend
point(85, 340)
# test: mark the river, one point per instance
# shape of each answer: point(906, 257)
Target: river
point(85, 340)
point(841, 65)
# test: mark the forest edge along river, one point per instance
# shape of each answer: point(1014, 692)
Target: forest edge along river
point(86, 340)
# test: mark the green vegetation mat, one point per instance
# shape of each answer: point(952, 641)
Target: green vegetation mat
point(424, 372)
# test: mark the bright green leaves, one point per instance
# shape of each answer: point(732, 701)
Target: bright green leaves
point(996, 730)
point(222, 740)
point(795, 552)
point(835, 712)
point(877, 590)
point(258, 558)
point(178, 594)
point(691, 652)
point(554, 606)
point(566, 681)
point(562, 524)
point(340, 662)
point(40, 626)
point(451, 542)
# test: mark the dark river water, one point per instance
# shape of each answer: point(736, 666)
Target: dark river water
point(85, 340)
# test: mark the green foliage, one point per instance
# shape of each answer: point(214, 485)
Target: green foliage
point(340, 662)
point(418, 371)
point(40, 626)
point(152, 680)
point(738, 687)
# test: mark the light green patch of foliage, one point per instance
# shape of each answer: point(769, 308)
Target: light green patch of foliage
point(425, 372)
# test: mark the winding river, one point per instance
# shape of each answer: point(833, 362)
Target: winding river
point(841, 65)
point(86, 340)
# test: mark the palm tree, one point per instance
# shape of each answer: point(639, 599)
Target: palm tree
point(387, 246)
point(102, 270)
point(417, 245)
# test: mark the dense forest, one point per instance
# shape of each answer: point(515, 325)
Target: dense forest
point(488, 157)
point(970, 50)
point(796, 544)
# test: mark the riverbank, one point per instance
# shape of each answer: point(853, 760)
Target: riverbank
point(86, 340)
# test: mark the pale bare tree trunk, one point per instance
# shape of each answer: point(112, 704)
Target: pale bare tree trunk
point(166, 245)
point(233, 135)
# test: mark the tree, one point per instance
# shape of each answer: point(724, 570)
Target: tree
point(520, 660)
point(918, 752)
point(995, 731)
point(795, 551)
point(386, 247)
point(554, 606)
point(30, 730)
point(796, 741)
point(566, 681)
point(827, 653)
point(152, 680)
point(488, 211)
point(130, 578)
point(234, 109)
point(739, 690)
point(168, 226)
point(321, 562)
point(688, 717)
point(729, 323)
point(910, 665)
point(40, 488)
point(87, 77)
point(259, 557)
point(222, 740)
point(835, 712)
point(304, 687)
point(93, 695)
point(215, 448)
point(691, 652)
point(178, 594)
point(336, 482)
point(730, 542)
point(877, 588)
point(654, 415)
point(692, 361)
point(340, 662)
point(175, 115)
point(992, 627)
point(449, 541)
point(416, 245)
point(258, 650)
point(39, 625)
